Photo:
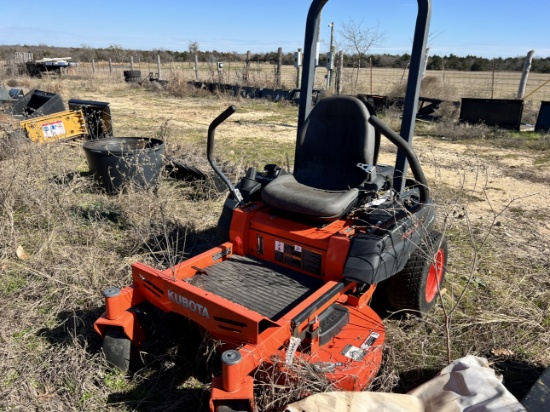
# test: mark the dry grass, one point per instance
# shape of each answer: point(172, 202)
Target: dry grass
point(62, 241)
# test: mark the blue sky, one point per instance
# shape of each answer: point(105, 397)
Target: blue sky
point(489, 28)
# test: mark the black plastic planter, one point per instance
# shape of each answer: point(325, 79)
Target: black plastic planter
point(505, 113)
point(38, 103)
point(120, 161)
point(98, 117)
point(543, 119)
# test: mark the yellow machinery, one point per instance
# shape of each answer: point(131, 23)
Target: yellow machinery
point(58, 126)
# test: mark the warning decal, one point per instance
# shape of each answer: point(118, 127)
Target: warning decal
point(357, 354)
point(53, 129)
point(297, 256)
point(291, 351)
point(354, 353)
point(370, 341)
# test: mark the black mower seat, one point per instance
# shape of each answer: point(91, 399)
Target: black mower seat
point(335, 137)
point(289, 195)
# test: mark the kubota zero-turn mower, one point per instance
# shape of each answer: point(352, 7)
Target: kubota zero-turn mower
point(302, 252)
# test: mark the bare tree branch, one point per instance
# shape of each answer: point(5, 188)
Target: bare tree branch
point(358, 40)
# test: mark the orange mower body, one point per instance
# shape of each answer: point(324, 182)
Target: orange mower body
point(284, 320)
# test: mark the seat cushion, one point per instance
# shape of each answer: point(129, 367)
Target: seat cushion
point(287, 194)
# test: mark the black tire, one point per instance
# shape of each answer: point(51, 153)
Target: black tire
point(132, 76)
point(415, 289)
point(132, 73)
point(117, 348)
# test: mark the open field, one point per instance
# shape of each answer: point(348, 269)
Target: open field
point(62, 242)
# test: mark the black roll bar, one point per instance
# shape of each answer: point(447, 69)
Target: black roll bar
point(406, 149)
point(418, 55)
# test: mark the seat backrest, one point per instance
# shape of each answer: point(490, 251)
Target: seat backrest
point(334, 138)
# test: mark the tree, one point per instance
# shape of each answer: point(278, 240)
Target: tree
point(86, 53)
point(403, 61)
point(193, 48)
point(358, 40)
point(435, 63)
point(116, 52)
point(479, 65)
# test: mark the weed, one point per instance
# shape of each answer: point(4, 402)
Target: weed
point(115, 381)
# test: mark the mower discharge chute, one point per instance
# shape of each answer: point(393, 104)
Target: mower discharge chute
point(302, 252)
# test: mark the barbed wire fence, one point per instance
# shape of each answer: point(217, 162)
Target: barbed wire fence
point(440, 84)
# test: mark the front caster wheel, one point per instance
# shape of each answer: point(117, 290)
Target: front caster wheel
point(234, 406)
point(117, 348)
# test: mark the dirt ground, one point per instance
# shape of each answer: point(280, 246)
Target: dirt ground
point(496, 179)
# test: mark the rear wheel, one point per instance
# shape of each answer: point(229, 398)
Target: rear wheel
point(416, 287)
point(117, 348)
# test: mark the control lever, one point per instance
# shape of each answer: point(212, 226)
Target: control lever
point(210, 152)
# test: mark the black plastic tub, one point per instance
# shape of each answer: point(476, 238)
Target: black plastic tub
point(505, 113)
point(38, 103)
point(117, 162)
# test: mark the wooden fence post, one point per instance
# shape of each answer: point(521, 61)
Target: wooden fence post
point(340, 73)
point(110, 65)
point(246, 76)
point(131, 62)
point(297, 64)
point(158, 65)
point(93, 66)
point(279, 65)
point(370, 64)
point(492, 78)
point(426, 58)
point(525, 74)
point(196, 67)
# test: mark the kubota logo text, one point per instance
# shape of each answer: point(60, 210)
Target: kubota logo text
point(188, 304)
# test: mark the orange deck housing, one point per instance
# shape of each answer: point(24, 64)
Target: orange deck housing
point(351, 359)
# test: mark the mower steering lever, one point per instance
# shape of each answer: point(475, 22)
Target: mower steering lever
point(210, 151)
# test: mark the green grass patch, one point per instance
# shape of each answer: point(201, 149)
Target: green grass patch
point(11, 284)
point(116, 381)
point(252, 151)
